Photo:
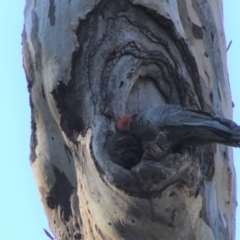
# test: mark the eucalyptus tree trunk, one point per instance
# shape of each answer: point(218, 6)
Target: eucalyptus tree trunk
point(87, 62)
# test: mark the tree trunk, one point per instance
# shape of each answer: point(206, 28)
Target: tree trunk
point(87, 62)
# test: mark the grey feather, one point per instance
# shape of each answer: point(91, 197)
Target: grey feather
point(184, 124)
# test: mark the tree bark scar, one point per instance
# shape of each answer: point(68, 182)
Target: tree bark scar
point(197, 31)
point(51, 12)
point(71, 122)
point(36, 42)
point(60, 194)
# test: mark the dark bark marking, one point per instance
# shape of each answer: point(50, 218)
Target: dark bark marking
point(212, 36)
point(172, 194)
point(211, 97)
point(36, 42)
point(99, 231)
point(121, 84)
point(207, 77)
point(51, 12)
point(197, 31)
point(60, 194)
point(68, 152)
point(33, 138)
point(43, 92)
point(70, 119)
point(77, 236)
point(89, 212)
point(63, 226)
point(225, 154)
point(219, 94)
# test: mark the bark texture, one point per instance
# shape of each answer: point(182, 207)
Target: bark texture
point(87, 62)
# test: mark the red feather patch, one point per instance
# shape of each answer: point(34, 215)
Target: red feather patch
point(123, 123)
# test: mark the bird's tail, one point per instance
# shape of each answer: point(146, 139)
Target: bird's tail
point(221, 130)
point(226, 131)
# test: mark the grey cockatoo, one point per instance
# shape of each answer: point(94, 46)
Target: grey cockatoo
point(181, 126)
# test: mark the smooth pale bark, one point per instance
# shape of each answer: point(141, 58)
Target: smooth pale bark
point(87, 62)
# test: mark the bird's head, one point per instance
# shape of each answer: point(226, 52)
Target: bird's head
point(123, 122)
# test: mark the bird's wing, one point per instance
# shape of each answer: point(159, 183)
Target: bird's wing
point(170, 115)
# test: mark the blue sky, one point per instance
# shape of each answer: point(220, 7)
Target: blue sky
point(22, 215)
point(231, 24)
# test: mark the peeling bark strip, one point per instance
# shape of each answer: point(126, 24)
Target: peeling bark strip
point(125, 56)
